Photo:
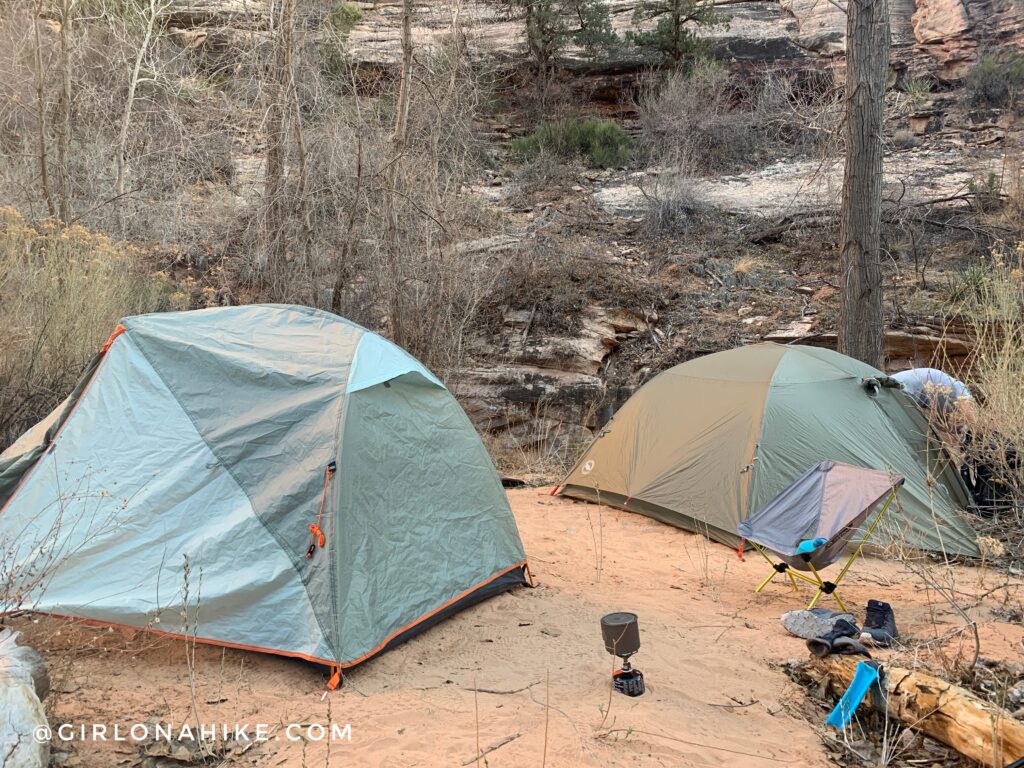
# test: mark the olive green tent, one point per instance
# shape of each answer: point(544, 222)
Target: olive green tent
point(707, 443)
point(329, 494)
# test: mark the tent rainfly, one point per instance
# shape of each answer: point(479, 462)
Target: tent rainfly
point(706, 443)
point(322, 492)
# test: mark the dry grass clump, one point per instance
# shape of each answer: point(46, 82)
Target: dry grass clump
point(537, 449)
point(707, 120)
point(64, 290)
point(994, 426)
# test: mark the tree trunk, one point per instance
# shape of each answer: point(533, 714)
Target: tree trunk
point(133, 83)
point(341, 275)
point(395, 177)
point(867, 67)
point(274, 238)
point(976, 729)
point(64, 134)
point(677, 32)
point(44, 172)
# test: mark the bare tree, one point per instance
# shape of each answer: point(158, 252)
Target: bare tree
point(64, 133)
point(274, 239)
point(867, 65)
point(44, 171)
point(150, 17)
point(393, 177)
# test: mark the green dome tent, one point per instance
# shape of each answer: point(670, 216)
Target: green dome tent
point(329, 493)
point(705, 444)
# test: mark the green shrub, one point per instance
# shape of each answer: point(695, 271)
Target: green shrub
point(917, 89)
point(333, 58)
point(599, 143)
point(987, 192)
point(967, 284)
point(996, 79)
point(343, 17)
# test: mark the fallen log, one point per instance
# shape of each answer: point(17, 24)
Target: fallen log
point(948, 713)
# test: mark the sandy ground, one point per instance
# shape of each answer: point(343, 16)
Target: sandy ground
point(710, 655)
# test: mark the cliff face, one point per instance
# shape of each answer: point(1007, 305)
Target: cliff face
point(736, 281)
point(759, 31)
point(936, 35)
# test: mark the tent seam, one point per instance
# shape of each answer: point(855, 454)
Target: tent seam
point(227, 468)
point(339, 447)
point(760, 431)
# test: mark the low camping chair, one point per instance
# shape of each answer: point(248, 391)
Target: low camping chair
point(809, 525)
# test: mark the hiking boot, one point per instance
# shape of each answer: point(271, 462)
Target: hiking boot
point(879, 624)
point(816, 622)
point(822, 646)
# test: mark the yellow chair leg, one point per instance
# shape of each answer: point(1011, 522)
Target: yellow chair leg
point(839, 600)
point(821, 591)
point(766, 582)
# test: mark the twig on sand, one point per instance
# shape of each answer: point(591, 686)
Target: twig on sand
point(547, 719)
point(608, 706)
point(737, 704)
point(563, 713)
point(494, 746)
point(629, 731)
point(505, 693)
point(476, 717)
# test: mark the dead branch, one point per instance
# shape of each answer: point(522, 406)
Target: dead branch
point(923, 702)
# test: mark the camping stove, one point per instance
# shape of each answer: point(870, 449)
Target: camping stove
point(621, 635)
point(628, 680)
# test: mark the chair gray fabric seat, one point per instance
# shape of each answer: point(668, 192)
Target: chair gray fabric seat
point(831, 501)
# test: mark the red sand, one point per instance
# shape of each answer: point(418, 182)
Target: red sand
point(711, 647)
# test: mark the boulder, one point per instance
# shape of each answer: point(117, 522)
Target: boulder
point(24, 730)
point(936, 20)
point(230, 13)
point(23, 662)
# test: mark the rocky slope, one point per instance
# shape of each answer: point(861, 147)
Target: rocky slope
point(756, 265)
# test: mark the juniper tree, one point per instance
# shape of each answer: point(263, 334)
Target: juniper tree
point(553, 25)
point(674, 38)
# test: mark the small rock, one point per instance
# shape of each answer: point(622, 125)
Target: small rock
point(551, 631)
point(1015, 696)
